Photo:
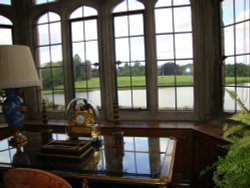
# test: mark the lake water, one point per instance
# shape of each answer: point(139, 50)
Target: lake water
point(166, 97)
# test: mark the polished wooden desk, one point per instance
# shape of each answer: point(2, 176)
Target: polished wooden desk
point(140, 160)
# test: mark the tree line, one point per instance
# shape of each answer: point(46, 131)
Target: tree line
point(52, 73)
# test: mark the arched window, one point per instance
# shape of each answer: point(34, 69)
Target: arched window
point(129, 40)
point(38, 2)
point(5, 2)
point(49, 49)
point(174, 51)
point(6, 31)
point(236, 24)
point(85, 54)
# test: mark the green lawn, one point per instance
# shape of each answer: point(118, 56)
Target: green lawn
point(140, 81)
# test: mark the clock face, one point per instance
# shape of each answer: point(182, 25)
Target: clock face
point(80, 119)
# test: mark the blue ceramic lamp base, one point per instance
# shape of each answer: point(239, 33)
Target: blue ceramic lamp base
point(14, 117)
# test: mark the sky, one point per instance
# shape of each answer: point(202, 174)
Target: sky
point(136, 28)
point(6, 2)
point(242, 32)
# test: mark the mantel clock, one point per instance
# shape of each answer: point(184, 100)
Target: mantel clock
point(82, 118)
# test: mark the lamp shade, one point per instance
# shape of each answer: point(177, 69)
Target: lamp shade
point(17, 68)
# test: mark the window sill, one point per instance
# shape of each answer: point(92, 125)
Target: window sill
point(107, 127)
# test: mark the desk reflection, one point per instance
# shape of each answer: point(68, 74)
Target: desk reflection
point(137, 159)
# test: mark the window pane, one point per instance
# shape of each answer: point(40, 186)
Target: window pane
point(229, 40)
point(243, 70)
point(77, 31)
point(56, 53)
point(5, 2)
point(242, 37)
point(181, 2)
point(7, 33)
point(38, 2)
point(180, 23)
point(137, 48)
point(128, 5)
point(125, 94)
point(184, 72)
point(165, 48)
point(166, 103)
point(48, 17)
point(121, 22)
point(91, 32)
point(55, 32)
point(139, 98)
point(89, 11)
point(163, 20)
point(242, 10)
point(185, 97)
point(163, 3)
point(136, 25)
point(121, 47)
point(44, 56)
point(43, 33)
point(7, 39)
point(46, 75)
point(184, 49)
point(57, 76)
point(83, 12)
point(134, 5)
point(230, 71)
point(138, 73)
point(79, 49)
point(5, 21)
point(92, 51)
point(54, 101)
point(227, 12)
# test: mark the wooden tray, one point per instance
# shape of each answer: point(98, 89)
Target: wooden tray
point(66, 150)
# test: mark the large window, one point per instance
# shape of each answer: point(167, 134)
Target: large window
point(174, 55)
point(49, 50)
point(85, 54)
point(130, 63)
point(157, 59)
point(5, 2)
point(6, 31)
point(38, 2)
point(236, 22)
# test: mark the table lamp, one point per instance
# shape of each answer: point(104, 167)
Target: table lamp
point(17, 70)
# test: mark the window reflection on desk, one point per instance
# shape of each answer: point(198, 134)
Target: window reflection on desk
point(137, 156)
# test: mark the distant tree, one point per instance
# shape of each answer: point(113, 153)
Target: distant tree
point(52, 75)
point(82, 70)
point(130, 69)
point(138, 69)
point(170, 68)
point(239, 69)
point(123, 70)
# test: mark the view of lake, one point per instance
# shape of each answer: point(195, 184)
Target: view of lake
point(166, 96)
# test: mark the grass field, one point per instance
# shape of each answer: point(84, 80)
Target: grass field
point(140, 81)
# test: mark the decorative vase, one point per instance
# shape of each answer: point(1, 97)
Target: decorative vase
point(14, 116)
